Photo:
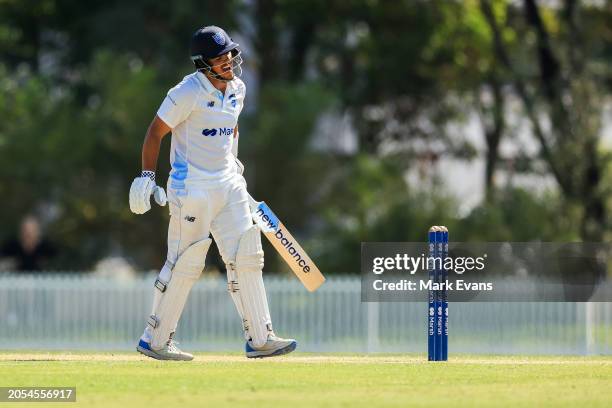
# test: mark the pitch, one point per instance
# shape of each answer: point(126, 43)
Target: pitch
point(306, 380)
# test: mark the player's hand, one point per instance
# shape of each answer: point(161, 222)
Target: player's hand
point(141, 190)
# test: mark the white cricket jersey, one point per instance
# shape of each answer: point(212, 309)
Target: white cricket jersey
point(202, 121)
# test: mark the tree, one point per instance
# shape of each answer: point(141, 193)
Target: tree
point(567, 93)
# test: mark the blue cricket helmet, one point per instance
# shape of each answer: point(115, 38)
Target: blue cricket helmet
point(210, 42)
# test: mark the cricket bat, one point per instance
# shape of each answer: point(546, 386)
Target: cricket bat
point(287, 247)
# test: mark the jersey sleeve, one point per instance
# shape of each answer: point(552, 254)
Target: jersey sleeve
point(178, 104)
point(242, 92)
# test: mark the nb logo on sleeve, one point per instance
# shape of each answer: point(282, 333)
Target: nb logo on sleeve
point(222, 132)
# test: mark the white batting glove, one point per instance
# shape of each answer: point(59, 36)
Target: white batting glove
point(141, 190)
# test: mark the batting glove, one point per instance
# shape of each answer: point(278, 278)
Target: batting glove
point(141, 190)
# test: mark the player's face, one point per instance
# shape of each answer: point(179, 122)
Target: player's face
point(222, 65)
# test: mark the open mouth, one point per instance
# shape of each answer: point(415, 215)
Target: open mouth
point(227, 72)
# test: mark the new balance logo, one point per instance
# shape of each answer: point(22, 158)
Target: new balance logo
point(190, 218)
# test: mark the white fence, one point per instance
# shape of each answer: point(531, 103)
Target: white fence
point(86, 312)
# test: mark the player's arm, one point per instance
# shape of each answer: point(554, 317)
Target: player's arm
point(235, 144)
point(175, 108)
point(144, 186)
point(239, 165)
point(150, 148)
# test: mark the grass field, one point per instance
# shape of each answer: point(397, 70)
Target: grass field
point(305, 380)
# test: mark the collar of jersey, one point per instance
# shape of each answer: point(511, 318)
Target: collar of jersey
point(208, 87)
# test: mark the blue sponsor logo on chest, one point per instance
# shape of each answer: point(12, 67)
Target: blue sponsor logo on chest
point(220, 132)
point(233, 100)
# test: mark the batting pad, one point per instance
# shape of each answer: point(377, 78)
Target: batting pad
point(234, 290)
point(160, 285)
point(185, 273)
point(249, 264)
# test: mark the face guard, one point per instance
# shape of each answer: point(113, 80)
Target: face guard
point(235, 66)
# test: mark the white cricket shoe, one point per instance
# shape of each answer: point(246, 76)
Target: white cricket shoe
point(169, 352)
point(275, 346)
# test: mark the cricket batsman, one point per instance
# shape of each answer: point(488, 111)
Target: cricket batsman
point(207, 194)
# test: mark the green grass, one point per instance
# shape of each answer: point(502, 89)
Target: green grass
point(308, 380)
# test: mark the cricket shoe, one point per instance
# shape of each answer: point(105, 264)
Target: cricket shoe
point(275, 346)
point(169, 352)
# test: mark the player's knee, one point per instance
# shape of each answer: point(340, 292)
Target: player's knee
point(250, 255)
point(191, 262)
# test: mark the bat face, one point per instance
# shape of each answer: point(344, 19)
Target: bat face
point(288, 248)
